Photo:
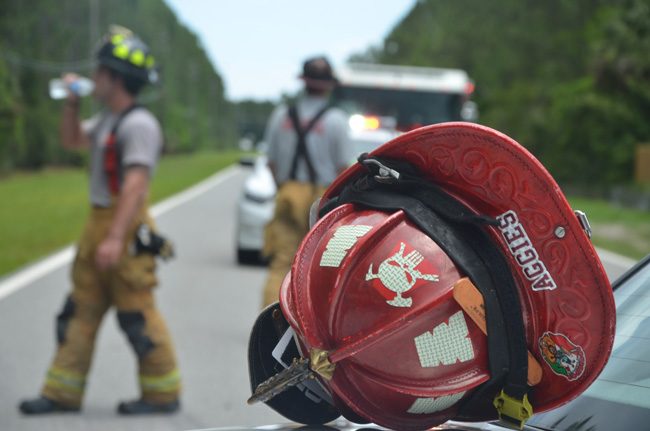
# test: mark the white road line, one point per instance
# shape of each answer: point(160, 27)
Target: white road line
point(57, 260)
point(193, 192)
point(36, 271)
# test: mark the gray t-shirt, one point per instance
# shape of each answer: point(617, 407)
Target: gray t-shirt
point(139, 138)
point(327, 142)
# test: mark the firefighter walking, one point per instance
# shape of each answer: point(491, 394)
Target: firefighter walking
point(307, 148)
point(115, 261)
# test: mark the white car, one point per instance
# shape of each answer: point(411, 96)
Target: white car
point(382, 101)
point(254, 211)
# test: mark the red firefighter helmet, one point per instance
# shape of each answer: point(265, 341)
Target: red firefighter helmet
point(436, 238)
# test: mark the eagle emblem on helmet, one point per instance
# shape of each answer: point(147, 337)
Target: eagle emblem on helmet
point(563, 356)
point(398, 273)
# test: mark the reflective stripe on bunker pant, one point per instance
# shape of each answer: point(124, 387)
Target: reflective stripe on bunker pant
point(66, 382)
point(286, 230)
point(128, 287)
point(164, 383)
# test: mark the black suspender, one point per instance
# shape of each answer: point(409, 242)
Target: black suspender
point(301, 147)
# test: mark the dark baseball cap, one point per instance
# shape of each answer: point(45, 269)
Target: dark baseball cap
point(317, 72)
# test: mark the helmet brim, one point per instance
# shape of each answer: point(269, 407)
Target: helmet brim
point(319, 84)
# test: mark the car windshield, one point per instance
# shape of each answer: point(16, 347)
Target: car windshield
point(410, 108)
point(620, 397)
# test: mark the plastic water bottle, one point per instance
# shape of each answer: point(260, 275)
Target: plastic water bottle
point(81, 87)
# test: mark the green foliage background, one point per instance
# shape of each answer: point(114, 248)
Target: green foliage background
point(251, 117)
point(569, 79)
point(40, 39)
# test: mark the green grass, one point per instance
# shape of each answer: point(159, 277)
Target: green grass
point(621, 230)
point(42, 212)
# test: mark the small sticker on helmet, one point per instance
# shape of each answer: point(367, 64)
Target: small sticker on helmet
point(342, 241)
point(423, 406)
point(563, 356)
point(398, 274)
point(446, 344)
point(524, 252)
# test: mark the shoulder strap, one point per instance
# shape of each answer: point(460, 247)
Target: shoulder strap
point(112, 153)
point(315, 119)
point(301, 147)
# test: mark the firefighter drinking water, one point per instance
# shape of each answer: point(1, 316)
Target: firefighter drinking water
point(115, 261)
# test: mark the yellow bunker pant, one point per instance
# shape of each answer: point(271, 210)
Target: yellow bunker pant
point(128, 288)
point(285, 231)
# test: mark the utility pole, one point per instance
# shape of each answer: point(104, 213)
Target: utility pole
point(93, 25)
point(93, 35)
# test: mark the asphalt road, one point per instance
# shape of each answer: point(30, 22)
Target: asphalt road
point(209, 302)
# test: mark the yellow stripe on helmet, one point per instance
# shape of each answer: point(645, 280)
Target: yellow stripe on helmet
point(121, 51)
point(137, 58)
point(117, 39)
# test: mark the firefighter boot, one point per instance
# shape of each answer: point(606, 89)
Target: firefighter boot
point(142, 407)
point(42, 405)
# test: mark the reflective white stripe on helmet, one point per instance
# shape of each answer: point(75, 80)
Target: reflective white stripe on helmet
point(339, 244)
point(447, 344)
point(432, 405)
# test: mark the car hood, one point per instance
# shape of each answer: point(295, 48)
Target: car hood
point(343, 425)
point(260, 182)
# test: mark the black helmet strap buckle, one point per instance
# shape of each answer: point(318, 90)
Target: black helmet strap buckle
point(384, 174)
